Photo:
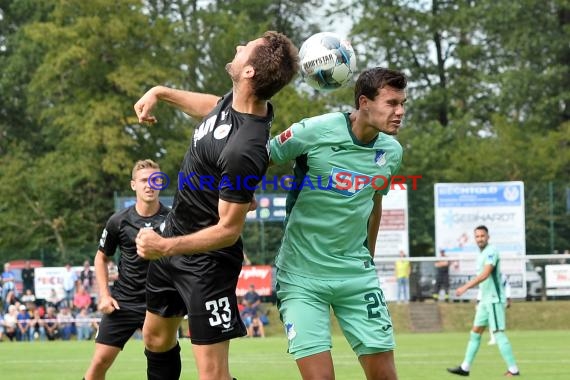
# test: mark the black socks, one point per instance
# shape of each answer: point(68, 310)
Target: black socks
point(163, 365)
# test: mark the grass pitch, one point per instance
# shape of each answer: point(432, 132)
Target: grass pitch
point(541, 355)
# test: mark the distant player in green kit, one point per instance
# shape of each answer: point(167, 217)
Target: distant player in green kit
point(491, 308)
point(343, 165)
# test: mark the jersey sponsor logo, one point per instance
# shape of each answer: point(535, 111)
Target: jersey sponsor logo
point(161, 228)
point(348, 183)
point(284, 136)
point(338, 148)
point(380, 158)
point(147, 226)
point(103, 238)
point(222, 131)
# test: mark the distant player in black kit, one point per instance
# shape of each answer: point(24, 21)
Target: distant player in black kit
point(200, 256)
point(124, 307)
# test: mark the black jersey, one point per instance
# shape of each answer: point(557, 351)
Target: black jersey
point(121, 230)
point(227, 158)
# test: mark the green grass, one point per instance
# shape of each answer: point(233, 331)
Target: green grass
point(542, 355)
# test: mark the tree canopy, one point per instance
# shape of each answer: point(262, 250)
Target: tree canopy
point(489, 100)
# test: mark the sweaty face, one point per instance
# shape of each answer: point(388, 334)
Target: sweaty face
point(142, 187)
point(386, 112)
point(241, 59)
point(481, 238)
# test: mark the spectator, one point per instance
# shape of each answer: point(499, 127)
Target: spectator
point(50, 323)
point(28, 277)
point(23, 331)
point(8, 281)
point(11, 322)
point(10, 300)
point(65, 323)
point(113, 273)
point(28, 296)
point(252, 298)
point(86, 276)
point(403, 270)
point(81, 299)
point(69, 280)
point(83, 325)
point(247, 313)
point(255, 328)
point(442, 277)
point(53, 299)
point(37, 323)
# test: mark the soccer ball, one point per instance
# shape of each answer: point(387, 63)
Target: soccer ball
point(327, 61)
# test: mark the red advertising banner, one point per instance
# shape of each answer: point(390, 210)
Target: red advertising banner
point(257, 275)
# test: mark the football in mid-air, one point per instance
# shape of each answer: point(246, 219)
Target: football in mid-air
point(327, 61)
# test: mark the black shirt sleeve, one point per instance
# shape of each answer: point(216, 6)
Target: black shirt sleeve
point(110, 237)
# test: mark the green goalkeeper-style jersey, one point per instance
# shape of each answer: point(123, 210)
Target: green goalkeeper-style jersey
point(492, 289)
point(331, 195)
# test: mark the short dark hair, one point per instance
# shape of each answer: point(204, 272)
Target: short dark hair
point(370, 82)
point(482, 227)
point(275, 62)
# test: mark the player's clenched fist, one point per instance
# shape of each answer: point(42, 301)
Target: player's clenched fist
point(145, 105)
point(149, 244)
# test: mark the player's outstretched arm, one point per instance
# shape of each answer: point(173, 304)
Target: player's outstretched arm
point(194, 104)
point(225, 233)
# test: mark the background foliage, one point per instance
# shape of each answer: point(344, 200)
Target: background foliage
point(488, 101)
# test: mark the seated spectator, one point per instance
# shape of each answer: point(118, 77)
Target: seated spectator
point(83, 325)
point(28, 296)
point(11, 322)
point(23, 331)
point(256, 329)
point(38, 331)
point(247, 314)
point(50, 324)
point(10, 299)
point(81, 299)
point(252, 298)
point(53, 299)
point(65, 323)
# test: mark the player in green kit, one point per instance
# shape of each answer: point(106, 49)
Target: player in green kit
point(491, 308)
point(343, 166)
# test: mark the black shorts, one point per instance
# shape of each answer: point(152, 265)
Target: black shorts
point(117, 328)
point(202, 286)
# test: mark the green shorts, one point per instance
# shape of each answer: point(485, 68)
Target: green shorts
point(358, 304)
point(491, 315)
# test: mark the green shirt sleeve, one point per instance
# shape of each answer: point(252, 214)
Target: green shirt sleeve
point(293, 142)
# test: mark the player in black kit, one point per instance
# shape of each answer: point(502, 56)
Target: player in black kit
point(124, 307)
point(199, 258)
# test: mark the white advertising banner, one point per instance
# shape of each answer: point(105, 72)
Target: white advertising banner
point(460, 207)
point(48, 278)
point(557, 280)
point(392, 237)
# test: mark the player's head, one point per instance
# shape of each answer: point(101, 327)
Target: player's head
point(269, 62)
point(481, 236)
point(379, 95)
point(142, 171)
